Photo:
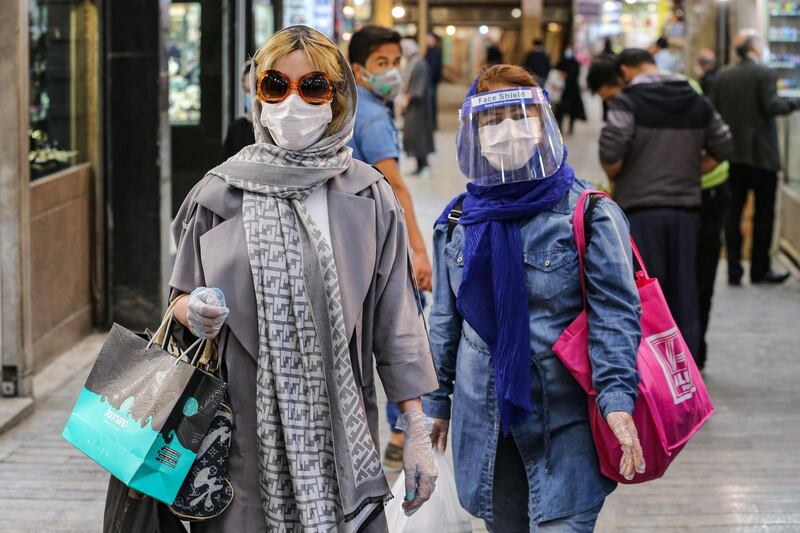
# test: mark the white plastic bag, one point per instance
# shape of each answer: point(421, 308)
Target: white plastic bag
point(554, 85)
point(441, 514)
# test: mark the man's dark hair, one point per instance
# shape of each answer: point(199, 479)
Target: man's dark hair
point(633, 57)
point(538, 42)
point(367, 40)
point(602, 72)
point(662, 43)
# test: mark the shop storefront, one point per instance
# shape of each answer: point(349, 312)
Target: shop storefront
point(782, 19)
point(62, 173)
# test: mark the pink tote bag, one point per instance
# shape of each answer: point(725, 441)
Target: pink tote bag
point(673, 401)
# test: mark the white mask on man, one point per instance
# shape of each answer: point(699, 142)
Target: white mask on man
point(295, 124)
point(511, 144)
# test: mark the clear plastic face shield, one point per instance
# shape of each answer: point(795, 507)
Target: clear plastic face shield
point(508, 136)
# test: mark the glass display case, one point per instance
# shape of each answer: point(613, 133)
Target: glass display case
point(783, 35)
point(184, 63)
point(58, 79)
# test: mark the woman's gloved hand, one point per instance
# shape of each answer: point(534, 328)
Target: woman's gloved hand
point(621, 423)
point(418, 465)
point(206, 312)
point(438, 433)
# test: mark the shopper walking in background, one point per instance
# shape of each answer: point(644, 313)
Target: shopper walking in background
point(537, 62)
point(606, 56)
point(571, 100)
point(713, 208)
point(375, 56)
point(665, 60)
point(433, 57)
point(661, 135)
point(746, 96)
point(707, 70)
point(414, 102)
point(603, 79)
point(240, 131)
point(301, 250)
point(494, 56)
point(607, 52)
point(507, 285)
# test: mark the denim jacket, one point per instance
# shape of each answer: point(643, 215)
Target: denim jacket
point(555, 441)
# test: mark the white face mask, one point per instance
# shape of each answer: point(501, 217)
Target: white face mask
point(295, 124)
point(510, 144)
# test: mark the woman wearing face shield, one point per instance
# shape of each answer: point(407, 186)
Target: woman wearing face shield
point(507, 285)
point(301, 251)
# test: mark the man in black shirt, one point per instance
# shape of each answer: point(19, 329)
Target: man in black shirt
point(537, 62)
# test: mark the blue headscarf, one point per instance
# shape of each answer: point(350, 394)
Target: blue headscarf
point(493, 296)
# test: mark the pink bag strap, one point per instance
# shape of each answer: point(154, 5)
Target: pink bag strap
point(580, 240)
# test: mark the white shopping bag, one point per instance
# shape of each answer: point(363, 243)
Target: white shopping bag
point(554, 85)
point(441, 514)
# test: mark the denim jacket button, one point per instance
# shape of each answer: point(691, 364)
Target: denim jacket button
point(531, 462)
point(460, 259)
point(547, 262)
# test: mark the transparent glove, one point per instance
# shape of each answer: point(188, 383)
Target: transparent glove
point(621, 423)
point(418, 464)
point(206, 312)
point(438, 434)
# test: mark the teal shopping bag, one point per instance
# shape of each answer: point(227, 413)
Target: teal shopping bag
point(143, 412)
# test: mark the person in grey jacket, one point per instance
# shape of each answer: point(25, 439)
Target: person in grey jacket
point(746, 96)
point(660, 137)
point(302, 252)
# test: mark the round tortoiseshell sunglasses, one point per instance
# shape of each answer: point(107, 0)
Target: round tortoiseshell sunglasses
point(274, 86)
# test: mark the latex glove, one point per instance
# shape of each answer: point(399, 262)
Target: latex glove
point(438, 434)
point(418, 465)
point(206, 312)
point(621, 423)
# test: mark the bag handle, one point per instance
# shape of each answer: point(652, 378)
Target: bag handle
point(205, 350)
point(579, 229)
point(160, 336)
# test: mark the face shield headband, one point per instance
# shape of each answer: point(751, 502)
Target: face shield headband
point(508, 136)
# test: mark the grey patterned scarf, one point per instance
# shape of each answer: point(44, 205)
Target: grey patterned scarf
point(319, 468)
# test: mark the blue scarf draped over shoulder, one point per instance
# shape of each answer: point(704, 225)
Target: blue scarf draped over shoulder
point(493, 295)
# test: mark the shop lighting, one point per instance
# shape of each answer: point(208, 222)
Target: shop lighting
point(346, 36)
point(358, 2)
point(553, 27)
point(349, 11)
point(630, 1)
point(484, 29)
point(609, 5)
point(516, 12)
point(450, 30)
point(398, 12)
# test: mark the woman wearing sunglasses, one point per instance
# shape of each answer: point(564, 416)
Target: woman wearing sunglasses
point(301, 250)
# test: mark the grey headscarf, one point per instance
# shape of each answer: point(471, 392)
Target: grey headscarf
point(319, 468)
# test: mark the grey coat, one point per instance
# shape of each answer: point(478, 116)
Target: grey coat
point(378, 297)
point(746, 95)
point(418, 116)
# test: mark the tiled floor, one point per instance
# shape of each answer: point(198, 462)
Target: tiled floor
point(741, 473)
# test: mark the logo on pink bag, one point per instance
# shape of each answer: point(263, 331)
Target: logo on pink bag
point(672, 356)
